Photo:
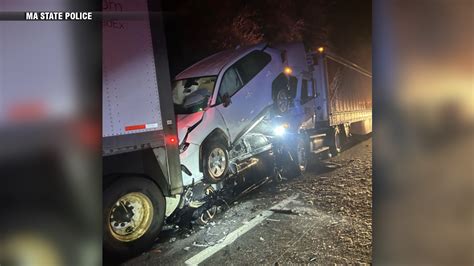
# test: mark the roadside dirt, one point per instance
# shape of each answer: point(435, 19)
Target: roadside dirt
point(329, 222)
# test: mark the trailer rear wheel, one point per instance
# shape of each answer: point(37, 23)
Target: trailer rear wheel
point(215, 161)
point(134, 211)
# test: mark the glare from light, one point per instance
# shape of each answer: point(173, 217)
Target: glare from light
point(288, 70)
point(321, 49)
point(279, 130)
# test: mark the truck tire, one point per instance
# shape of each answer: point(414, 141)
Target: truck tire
point(215, 161)
point(282, 101)
point(301, 153)
point(134, 211)
point(337, 141)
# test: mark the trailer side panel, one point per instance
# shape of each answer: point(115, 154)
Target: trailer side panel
point(131, 101)
point(349, 92)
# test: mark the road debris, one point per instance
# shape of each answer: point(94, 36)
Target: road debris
point(284, 211)
point(329, 223)
point(156, 250)
point(272, 220)
point(200, 245)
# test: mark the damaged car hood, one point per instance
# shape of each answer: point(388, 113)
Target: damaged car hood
point(184, 122)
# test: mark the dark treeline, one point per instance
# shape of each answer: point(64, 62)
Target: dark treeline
point(196, 29)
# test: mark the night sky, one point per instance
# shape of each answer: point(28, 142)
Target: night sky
point(196, 29)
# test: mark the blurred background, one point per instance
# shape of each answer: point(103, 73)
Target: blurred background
point(50, 95)
point(423, 132)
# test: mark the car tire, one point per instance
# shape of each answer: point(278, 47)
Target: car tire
point(287, 168)
point(122, 237)
point(215, 161)
point(282, 101)
point(207, 216)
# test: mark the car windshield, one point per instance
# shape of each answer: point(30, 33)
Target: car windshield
point(192, 95)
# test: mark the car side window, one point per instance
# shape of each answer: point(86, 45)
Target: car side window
point(230, 83)
point(251, 64)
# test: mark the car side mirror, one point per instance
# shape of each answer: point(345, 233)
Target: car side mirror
point(226, 100)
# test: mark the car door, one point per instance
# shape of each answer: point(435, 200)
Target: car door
point(257, 74)
point(233, 114)
point(238, 83)
point(271, 66)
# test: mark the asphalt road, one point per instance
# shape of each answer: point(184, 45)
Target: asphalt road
point(323, 217)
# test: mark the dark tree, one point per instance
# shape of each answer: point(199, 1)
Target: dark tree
point(199, 28)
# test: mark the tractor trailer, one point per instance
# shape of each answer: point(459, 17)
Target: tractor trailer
point(331, 103)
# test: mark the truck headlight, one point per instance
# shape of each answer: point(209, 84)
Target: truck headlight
point(279, 130)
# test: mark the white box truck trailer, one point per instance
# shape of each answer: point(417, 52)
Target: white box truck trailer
point(141, 171)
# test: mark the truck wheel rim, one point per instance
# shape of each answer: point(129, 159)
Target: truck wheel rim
point(130, 217)
point(216, 162)
point(282, 101)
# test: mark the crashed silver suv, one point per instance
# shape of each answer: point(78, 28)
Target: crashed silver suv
point(217, 101)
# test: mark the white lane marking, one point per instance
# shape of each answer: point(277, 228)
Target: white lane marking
point(231, 237)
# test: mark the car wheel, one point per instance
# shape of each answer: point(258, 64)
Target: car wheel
point(282, 101)
point(287, 165)
point(215, 162)
point(134, 212)
point(207, 216)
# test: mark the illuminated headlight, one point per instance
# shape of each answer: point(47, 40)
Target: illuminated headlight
point(279, 130)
